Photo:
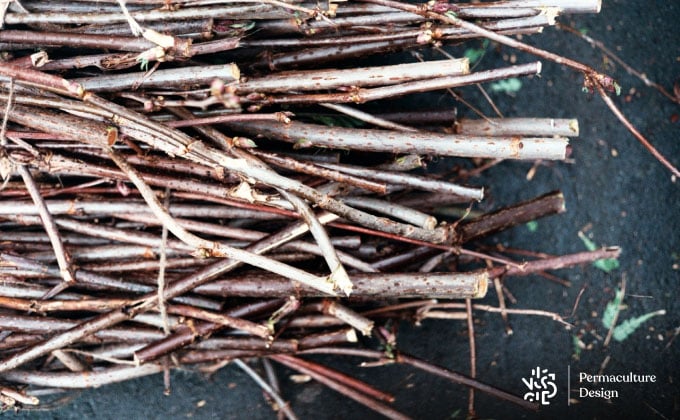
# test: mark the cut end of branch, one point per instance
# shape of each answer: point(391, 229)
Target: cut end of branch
point(234, 72)
point(482, 285)
point(464, 65)
point(340, 280)
point(598, 6)
point(615, 250)
point(551, 14)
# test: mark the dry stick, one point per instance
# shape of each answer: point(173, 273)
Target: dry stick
point(356, 77)
point(642, 76)
point(175, 142)
point(347, 315)
point(463, 380)
point(366, 285)
point(35, 305)
point(367, 118)
point(309, 135)
point(487, 308)
point(170, 78)
point(210, 248)
point(327, 203)
point(224, 12)
point(610, 332)
point(96, 305)
point(591, 76)
point(162, 308)
point(433, 262)
point(501, 304)
point(332, 53)
point(455, 249)
point(520, 213)
point(473, 355)
point(338, 276)
point(194, 29)
point(71, 380)
point(224, 320)
point(178, 288)
point(282, 27)
point(116, 207)
point(408, 180)
point(626, 123)
point(122, 43)
point(404, 213)
point(19, 396)
point(186, 335)
point(518, 126)
point(422, 35)
point(310, 168)
point(349, 387)
point(282, 404)
point(60, 165)
point(372, 94)
point(427, 367)
point(62, 256)
point(277, 116)
point(122, 61)
point(214, 229)
point(272, 379)
point(138, 266)
point(555, 263)
point(83, 277)
point(183, 338)
point(43, 325)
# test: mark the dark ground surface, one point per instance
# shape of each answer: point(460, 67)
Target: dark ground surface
point(613, 186)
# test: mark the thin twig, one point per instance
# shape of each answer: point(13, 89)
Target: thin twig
point(473, 355)
point(63, 258)
point(209, 248)
point(162, 308)
point(282, 404)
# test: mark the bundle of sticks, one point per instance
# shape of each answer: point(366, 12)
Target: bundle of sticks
point(233, 199)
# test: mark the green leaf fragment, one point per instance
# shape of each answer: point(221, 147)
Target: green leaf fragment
point(508, 86)
point(475, 54)
point(532, 226)
point(455, 414)
point(624, 329)
point(628, 327)
point(577, 344)
point(612, 309)
point(607, 265)
point(590, 245)
point(143, 63)
point(617, 89)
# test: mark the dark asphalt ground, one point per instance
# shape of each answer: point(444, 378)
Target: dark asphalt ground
point(613, 186)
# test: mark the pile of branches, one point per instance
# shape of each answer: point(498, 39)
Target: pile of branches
point(189, 183)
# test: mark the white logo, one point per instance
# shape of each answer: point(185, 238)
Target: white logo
point(541, 386)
